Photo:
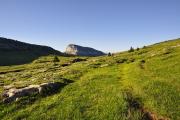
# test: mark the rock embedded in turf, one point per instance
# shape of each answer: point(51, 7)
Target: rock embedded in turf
point(77, 60)
point(45, 88)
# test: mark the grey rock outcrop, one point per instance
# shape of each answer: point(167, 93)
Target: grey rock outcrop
point(14, 94)
point(73, 49)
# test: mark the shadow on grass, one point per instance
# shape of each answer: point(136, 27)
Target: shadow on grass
point(23, 102)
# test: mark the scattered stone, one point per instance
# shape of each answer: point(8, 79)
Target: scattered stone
point(121, 60)
point(153, 54)
point(178, 45)
point(130, 60)
point(7, 87)
point(78, 60)
point(14, 94)
point(105, 65)
point(65, 64)
point(46, 88)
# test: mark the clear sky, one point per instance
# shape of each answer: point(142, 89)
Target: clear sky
point(107, 25)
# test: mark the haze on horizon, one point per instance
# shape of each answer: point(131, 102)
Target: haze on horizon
point(107, 25)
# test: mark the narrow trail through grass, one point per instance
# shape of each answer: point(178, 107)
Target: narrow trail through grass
point(123, 86)
point(150, 93)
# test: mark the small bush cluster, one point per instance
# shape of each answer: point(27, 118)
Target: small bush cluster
point(131, 49)
point(130, 60)
point(141, 64)
point(109, 54)
point(143, 61)
point(56, 59)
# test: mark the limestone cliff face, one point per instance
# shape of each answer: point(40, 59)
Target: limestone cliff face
point(73, 49)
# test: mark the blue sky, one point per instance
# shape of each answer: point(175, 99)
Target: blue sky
point(107, 25)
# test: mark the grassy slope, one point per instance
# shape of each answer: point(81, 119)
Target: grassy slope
point(14, 52)
point(100, 85)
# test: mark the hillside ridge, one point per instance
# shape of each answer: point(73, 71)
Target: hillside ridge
point(14, 52)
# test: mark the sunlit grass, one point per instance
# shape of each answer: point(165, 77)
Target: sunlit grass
point(100, 85)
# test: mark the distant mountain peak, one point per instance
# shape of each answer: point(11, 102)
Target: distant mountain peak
point(78, 50)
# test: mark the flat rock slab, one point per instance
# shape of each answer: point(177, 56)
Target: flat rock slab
point(14, 94)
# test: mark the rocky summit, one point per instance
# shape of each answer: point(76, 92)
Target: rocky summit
point(73, 49)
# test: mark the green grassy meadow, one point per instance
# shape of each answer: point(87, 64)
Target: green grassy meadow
point(102, 88)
